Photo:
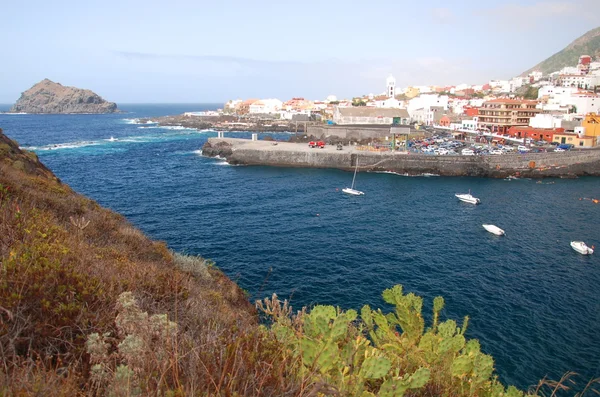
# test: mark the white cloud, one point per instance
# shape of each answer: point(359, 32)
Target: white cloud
point(442, 15)
point(526, 17)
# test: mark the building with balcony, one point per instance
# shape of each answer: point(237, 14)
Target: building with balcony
point(499, 115)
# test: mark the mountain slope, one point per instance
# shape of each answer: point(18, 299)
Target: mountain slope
point(588, 44)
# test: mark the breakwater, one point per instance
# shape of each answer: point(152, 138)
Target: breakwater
point(533, 165)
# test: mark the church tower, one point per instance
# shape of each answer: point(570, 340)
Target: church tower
point(391, 86)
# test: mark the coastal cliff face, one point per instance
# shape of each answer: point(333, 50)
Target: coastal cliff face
point(53, 98)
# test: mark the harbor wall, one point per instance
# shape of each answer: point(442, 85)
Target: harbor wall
point(352, 132)
point(568, 164)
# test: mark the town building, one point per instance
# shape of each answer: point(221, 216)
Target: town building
point(244, 106)
point(265, 106)
point(536, 134)
point(591, 124)
point(391, 86)
point(577, 140)
point(498, 115)
point(369, 115)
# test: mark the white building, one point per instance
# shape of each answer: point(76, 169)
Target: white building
point(391, 103)
point(551, 91)
point(516, 83)
point(545, 121)
point(500, 85)
point(569, 70)
point(367, 115)
point(536, 74)
point(585, 102)
point(265, 106)
point(577, 80)
point(331, 98)
point(390, 86)
point(428, 100)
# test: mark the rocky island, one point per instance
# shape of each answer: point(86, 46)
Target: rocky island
point(49, 97)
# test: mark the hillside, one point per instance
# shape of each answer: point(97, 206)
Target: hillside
point(588, 44)
point(53, 98)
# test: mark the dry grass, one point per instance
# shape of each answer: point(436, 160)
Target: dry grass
point(64, 260)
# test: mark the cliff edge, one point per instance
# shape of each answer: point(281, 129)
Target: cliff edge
point(53, 98)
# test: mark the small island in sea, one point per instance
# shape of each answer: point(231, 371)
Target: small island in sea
point(48, 97)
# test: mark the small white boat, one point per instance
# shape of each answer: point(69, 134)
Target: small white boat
point(468, 198)
point(494, 230)
point(354, 192)
point(351, 190)
point(580, 247)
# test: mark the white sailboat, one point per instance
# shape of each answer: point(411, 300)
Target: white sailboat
point(351, 190)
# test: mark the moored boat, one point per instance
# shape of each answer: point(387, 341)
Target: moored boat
point(354, 192)
point(468, 198)
point(494, 230)
point(582, 248)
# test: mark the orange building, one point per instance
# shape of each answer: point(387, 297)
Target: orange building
point(499, 115)
point(537, 134)
point(471, 111)
point(445, 121)
point(591, 123)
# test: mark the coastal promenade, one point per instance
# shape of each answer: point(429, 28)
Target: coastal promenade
point(285, 154)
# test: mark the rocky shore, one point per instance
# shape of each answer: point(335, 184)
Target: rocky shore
point(228, 123)
point(286, 154)
point(48, 97)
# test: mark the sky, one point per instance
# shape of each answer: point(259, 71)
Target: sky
point(194, 51)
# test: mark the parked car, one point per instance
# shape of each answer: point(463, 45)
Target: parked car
point(496, 151)
point(522, 148)
point(509, 148)
point(467, 152)
point(442, 151)
point(559, 149)
point(566, 146)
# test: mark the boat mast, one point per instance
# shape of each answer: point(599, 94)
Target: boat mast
point(354, 177)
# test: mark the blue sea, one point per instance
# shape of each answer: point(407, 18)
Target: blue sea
point(533, 302)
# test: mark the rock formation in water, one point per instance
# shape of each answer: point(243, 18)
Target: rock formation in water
point(53, 98)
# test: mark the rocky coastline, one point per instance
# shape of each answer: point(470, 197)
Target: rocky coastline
point(227, 123)
point(48, 97)
point(285, 154)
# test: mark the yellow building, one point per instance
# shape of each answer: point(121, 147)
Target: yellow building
point(591, 123)
point(412, 92)
point(576, 140)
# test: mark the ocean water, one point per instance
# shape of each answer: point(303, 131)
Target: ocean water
point(533, 302)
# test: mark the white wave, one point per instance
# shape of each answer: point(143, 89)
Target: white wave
point(16, 114)
point(198, 152)
point(427, 174)
point(67, 145)
point(131, 121)
point(148, 127)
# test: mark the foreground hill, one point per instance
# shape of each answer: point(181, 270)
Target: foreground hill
point(50, 97)
point(588, 44)
point(90, 306)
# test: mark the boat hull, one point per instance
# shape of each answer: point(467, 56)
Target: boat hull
point(467, 198)
point(580, 247)
point(352, 192)
point(494, 230)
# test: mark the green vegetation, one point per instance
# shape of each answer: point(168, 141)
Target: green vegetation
point(358, 102)
point(530, 92)
point(588, 44)
point(90, 306)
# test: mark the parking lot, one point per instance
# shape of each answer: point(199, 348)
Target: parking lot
point(442, 143)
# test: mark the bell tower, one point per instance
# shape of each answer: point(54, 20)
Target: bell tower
point(391, 86)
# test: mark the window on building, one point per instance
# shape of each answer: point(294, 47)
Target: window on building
point(580, 143)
